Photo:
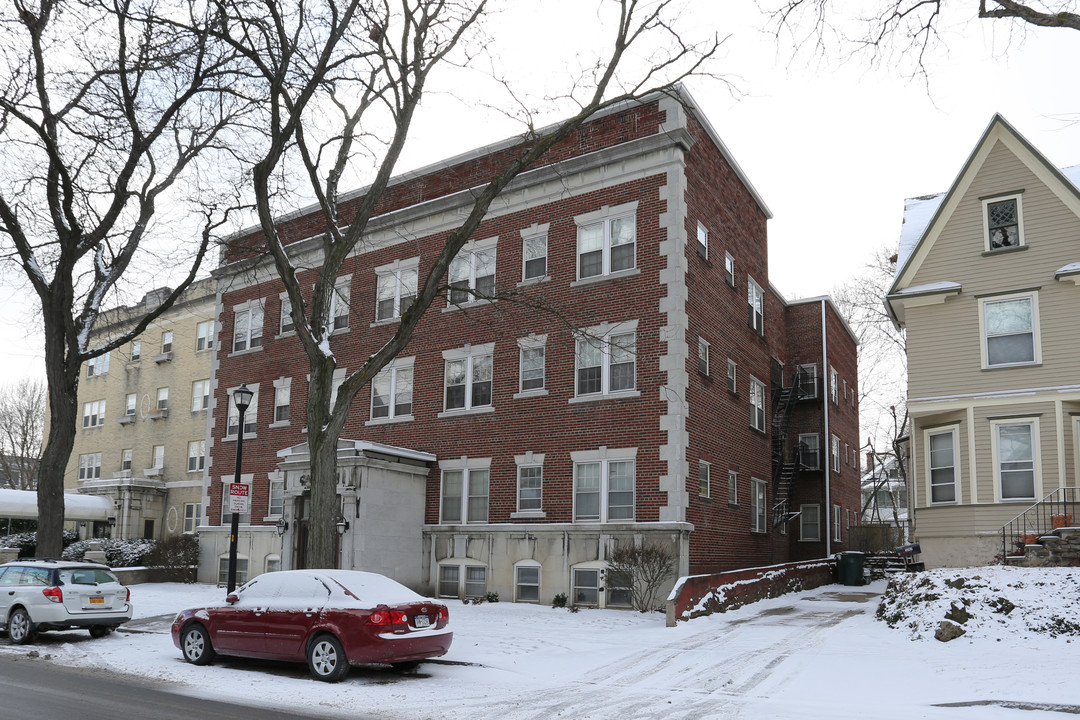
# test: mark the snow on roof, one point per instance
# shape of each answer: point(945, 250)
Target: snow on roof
point(919, 211)
point(929, 288)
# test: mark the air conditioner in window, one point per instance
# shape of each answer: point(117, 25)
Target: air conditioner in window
point(152, 472)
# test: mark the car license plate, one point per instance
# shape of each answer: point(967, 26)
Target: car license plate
point(422, 621)
point(97, 601)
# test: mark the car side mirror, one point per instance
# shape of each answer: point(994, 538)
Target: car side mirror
point(232, 598)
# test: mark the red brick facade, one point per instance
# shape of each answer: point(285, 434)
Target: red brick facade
point(659, 160)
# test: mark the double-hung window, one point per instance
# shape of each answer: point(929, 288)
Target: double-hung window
point(340, 301)
point(755, 298)
point(704, 470)
point(196, 461)
point(702, 356)
point(136, 350)
point(1003, 219)
point(395, 288)
point(810, 451)
point(757, 404)
point(131, 400)
point(392, 391)
point(703, 241)
point(732, 487)
point(1010, 329)
point(530, 487)
point(729, 269)
point(941, 459)
point(1015, 452)
point(286, 324)
point(192, 516)
point(533, 359)
point(834, 385)
point(232, 427)
point(606, 360)
point(467, 377)
point(204, 336)
point(527, 581)
point(810, 523)
point(125, 459)
point(163, 398)
point(534, 252)
point(472, 272)
point(200, 395)
point(464, 493)
point(758, 509)
point(732, 376)
point(282, 400)
point(604, 484)
point(93, 414)
point(835, 454)
point(247, 326)
point(276, 504)
point(98, 365)
point(166, 342)
point(808, 380)
point(90, 466)
point(606, 241)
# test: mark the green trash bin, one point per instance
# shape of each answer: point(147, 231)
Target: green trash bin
point(849, 567)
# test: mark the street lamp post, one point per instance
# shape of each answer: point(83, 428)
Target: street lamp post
point(242, 398)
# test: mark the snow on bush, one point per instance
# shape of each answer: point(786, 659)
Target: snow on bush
point(118, 553)
point(27, 541)
point(988, 602)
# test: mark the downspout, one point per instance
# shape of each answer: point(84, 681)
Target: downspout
point(827, 373)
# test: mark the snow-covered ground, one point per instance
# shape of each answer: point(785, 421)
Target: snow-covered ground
point(816, 654)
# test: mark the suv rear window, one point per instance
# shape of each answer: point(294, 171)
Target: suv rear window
point(87, 576)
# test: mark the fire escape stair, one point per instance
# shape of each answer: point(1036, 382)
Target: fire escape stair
point(785, 469)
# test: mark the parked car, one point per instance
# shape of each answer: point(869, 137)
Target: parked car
point(37, 595)
point(328, 618)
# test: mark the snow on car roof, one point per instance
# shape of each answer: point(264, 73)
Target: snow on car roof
point(366, 587)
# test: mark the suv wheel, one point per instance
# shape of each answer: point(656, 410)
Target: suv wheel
point(99, 631)
point(20, 628)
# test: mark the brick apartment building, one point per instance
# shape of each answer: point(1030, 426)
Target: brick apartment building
point(509, 449)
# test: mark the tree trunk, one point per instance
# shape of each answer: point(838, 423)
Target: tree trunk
point(321, 549)
point(63, 382)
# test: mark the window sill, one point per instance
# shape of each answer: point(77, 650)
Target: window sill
point(469, 304)
point(279, 424)
point(283, 334)
point(456, 412)
point(232, 438)
point(272, 518)
point(599, 397)
point(808, 540)
point(1004, 250)
point(386, 321)
point(528, 514)
point(601, 278)
point(534, 281)
point(759, 431)
point(246, 351)
point(541, 392)
point(1005, 366)
point(390, 420)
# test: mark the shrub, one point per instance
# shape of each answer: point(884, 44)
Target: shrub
point(176, 556)
point(118, 553)
point(27, 541)
point(492, 597)
point(559, 601)
point(642, 569)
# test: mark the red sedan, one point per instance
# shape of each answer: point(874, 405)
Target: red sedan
point(328, 618)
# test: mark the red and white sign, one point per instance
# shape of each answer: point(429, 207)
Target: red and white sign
point(238, 497)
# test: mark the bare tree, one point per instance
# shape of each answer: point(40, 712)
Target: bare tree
point(910, 28)
point(342, 83)
point(643, 569)
point(106, 110)
point(22, 421)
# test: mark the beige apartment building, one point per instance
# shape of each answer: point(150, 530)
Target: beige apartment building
point(987, 289)
point(142, 435)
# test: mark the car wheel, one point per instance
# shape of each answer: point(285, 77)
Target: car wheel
point(99, 631)
point(404, 666)
point(195, 645)
point(326, 659)
point(20, 628)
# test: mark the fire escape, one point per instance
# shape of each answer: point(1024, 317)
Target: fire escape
point(785, 464)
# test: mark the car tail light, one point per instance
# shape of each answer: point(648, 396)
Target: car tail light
point(128, 594)
point(386, 617)
point(54, 594)
point(444, 613)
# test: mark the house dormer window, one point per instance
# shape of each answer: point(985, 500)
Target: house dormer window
point(1004, 222)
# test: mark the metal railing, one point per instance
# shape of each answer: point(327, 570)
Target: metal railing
point(1055, 510)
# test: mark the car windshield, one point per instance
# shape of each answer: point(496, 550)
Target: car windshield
point(372, 589)
point(284, 590)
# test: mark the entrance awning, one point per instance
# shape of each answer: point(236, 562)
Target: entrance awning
point(22, 505)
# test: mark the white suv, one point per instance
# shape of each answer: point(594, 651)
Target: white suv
point(38, 595)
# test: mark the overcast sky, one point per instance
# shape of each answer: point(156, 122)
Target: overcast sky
point(833, 146)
